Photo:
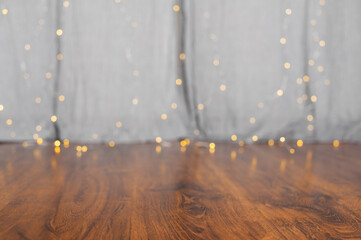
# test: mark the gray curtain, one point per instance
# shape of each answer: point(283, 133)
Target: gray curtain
point(245, 68)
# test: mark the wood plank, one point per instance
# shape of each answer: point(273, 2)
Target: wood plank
point(132, 191)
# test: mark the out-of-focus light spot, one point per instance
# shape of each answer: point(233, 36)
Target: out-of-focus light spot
point(288, 11)
point(310, 127)
point(66, 4)
point(282, 139)
point(222, 87)
point(336, 143)
point(5, 11)
point(216, 62)
point(59, 32)
point(322, 43)
point(118, 124)
point(299, 143)
point(158, 149)
point(280, 92)
point(233, 155)
point(241, 143)
point(9, 122)
point(283, 40)
point(59, 56)
point(252, 120)
point(311, 62)
point(57, 150)
point(174, 105)
point(260, 105)
point(178, 81)
point(306, 78)
point(287, 65)
point(212, 145)
point(234, 138)
point(176, 8)
point(299, 81)
point(1, 107)
point(164, 116)
point(38, 100)
point(292, 150)
point(182, 56)
point(313, 98)
point(310, 118)
point(39, 141)
point(27, 47)
point(271, 142)
point(200, 106)
point(135, 101)
point(56, 143)
point(254, 138)
point(111, 144)
point(84, 148)
point(66, 143)
point(48, 75)
point(158, 139)
point(313, 22)
point(53, 118)
point(61, 98)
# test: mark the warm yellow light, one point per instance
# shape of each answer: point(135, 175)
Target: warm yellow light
point(4, 11)
point(48, 75)
point(233, 155)
point(320, 69)
point(182, 56)
point(322, 43)
point(299, 143)
point(252, 120)
point(313, 98)
point(27, 47)
point(212, 150)
point(178, 81)
point(163, 116)
point(288, 11)
point(59, 32)
point(222, 87)
point(135, 101)
point(174, 106)
point(212, 145)
point(78, 148)
point(310, 118)
point(66, 143)
point(200, 106)
point(336, 143)
point(234, 138)
point(287, 65)
point(118, 124)
point(292, 151)
point(57, 150)
point(158, 139)
point(84, 148)
point(25, 144)
point(241, 143)
point(311, 62)
point(39, 141)
point(282, 139)
point(95, 136)
point(9, 122)
point(255, 138)
point(310, 127)
point(53, 118)
point(306, 78)
point(271, 142)
point(280, 92)
point(176, 8)
point(35, 136)
point(61, 98)
point(65, 4)
point(38, 100)
point(59, 56)
point(56, 143)
point(299, 80)
point(283, 40)
point(158, 149)
point(38, 128)
point(216, 62)
point(1, 107)
point(111, 144)
point(313, 22)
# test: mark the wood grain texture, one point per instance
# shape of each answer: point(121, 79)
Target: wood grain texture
point(132, 192)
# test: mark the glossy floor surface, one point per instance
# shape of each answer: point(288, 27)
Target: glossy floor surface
point(140, 191)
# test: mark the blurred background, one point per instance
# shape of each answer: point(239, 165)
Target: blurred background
point(139, 70)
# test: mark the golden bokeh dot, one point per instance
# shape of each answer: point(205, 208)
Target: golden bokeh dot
point(118, 124)
point(174, 105)
point(182, 56)
point(320, 68)
point(313, 98)
point(39, 141)
point(212, 145)
point(310, 127)
point(111, 144)
point(299, 143)
point(57, 143)
point(310, 118)
point(1, 107)
point(61, 98)
point(306, 78)
point(292, 150)
point(313, 22)
point(252, 120)
point(223, 87)
point(164, 116)
point(200, 106)
point(48, 75)
point(158, 149)
point(336, 143)
point(216, 62)
point(260, 105)
point(59, 32)
point(35, 136)
point(254, 138)
point(135, 101)
point(158, 139)
point(288, 11)
point(66, 4)
point(25, 144)
point(9, 122)
point(280, 92)
point(234, 138)
point(5, 11)
point(66, 143)
point(176, 8)
point(322, 43)
point(38, 128)
point(178, 81)
point(78, 148)
point(27, 47)
point(95, 136)
point(57, 150)
point(84, 148)
point(241, 143)
point(59, 56)
point(53, 118)
point(311, 62)
point(38, 100)
point(299, 81)
point(282, 139)
point(271, 142)
point(283, 40)
point(287, 65)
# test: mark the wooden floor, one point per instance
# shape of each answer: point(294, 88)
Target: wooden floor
point(134, 192)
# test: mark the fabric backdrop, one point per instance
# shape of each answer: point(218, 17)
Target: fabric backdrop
point(134, 70)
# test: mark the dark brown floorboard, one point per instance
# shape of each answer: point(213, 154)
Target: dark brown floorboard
point(132, 192)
